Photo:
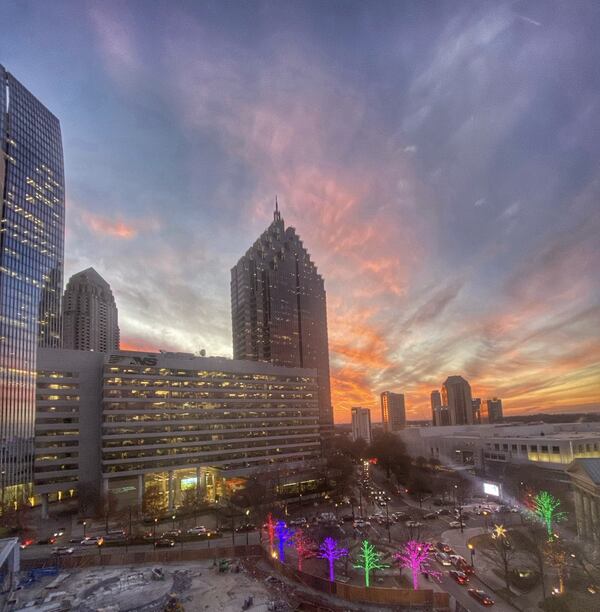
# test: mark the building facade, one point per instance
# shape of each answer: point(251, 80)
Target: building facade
point(90, 316)
point(361, 424)
point(585, 481)
point(176, 422)
point(494, 410)
point(436, 404)
point(456, 394)
point(551, 446)
point(32, 204)
point(393, 411)
point(478, 413)
point(279, 310)
point(67, 425)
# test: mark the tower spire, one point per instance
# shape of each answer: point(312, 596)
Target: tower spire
point(276, 214)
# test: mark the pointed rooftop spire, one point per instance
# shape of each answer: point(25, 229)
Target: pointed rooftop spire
point(276, 214)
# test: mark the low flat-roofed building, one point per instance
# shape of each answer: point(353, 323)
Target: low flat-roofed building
point(585, 479)
point(546, 445)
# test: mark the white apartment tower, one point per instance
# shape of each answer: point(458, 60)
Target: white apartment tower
point(90, 316)
point(361, 424)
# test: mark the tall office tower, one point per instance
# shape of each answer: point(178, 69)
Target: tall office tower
point(279, 310)
point(494, 410)
point(32, 207)
point(393, 411)
point(456, 394)
point(477, 413)
point(90, 316)
point(436, 404)
point(361, 424)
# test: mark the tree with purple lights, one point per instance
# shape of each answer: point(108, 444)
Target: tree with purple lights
point(416, 556)
point(284, 537)
point(329, 550)
point(302, 544)
point(369, 560)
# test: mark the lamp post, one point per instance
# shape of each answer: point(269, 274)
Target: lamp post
point(173, 519)
point(472, 551)
point(154, 529)
point(84, 528)
point(247, 527)
point(387, 522)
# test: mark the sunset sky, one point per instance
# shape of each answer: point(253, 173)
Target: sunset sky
point(440, 160)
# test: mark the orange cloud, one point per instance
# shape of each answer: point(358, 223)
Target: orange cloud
point(117, 228)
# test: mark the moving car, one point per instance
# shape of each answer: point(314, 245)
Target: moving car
point(442, 558)
point(430, 515)
point(465, 567)
point(246, 527)
point(200, 530)
point(91, 541)
point(459, 577)
point(456, 524)
point(62, 550)
point(25, 543)
point(164, 543)
point(443, 512)
point(481, 596)
point(50, 540)
point(443, 547)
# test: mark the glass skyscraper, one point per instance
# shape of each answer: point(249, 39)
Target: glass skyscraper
point(32, 209)
point(279, 310)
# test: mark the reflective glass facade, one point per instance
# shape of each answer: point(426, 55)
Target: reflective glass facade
point(31, 267)
point(279, 310)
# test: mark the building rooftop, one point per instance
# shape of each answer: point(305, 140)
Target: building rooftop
point(591, 467)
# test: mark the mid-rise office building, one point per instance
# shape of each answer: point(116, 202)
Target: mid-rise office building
point(585, 483)
point(175, 422)
point(393, 411)
point(90, 316)
point(278, 307)
point(456, 394)
point(436, 404)
point(361, 424)
point(494, 410)
point(32, 203)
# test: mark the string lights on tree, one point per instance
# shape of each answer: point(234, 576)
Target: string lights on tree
point(302, 544)
point(271, 530)
point(546, 508)
point(416, 557)
point(284, 537)
point(369, 559)
point(332, 552)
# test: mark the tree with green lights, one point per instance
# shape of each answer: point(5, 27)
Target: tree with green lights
point(545, 507)
point(369, 560)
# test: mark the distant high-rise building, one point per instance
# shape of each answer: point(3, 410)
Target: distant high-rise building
point(436, 403)
point(456, 394)
point(32, 208)
point(279, 310)
point(477, 416)
point(494, 410)
point(361, 424)
point(90, 316)
point(393, 411)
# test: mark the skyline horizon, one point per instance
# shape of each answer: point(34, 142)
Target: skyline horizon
point(438, 162)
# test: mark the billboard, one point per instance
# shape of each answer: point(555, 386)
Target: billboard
point(489, 488)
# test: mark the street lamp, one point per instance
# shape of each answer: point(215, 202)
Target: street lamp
point(154, 529)
point(84, 528)
point(247, 525)
point(173, 518)
point(472, 551)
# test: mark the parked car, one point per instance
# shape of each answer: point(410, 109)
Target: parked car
point(481, 596)
point(413, 524)
point(173, 534)
point(246, 527)
point(62, 550)
point(442, 558)
point(456, 524)
point(361, 524)
point(326, 517)
point(459, 577)
point(430, 516)
point(299, 522)
point(164, 543)
point(443, 512)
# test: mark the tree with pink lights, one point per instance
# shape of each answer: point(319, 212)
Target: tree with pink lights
point(271, 530)
point(329, 550)
point(416, 556)
point(302, 544)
